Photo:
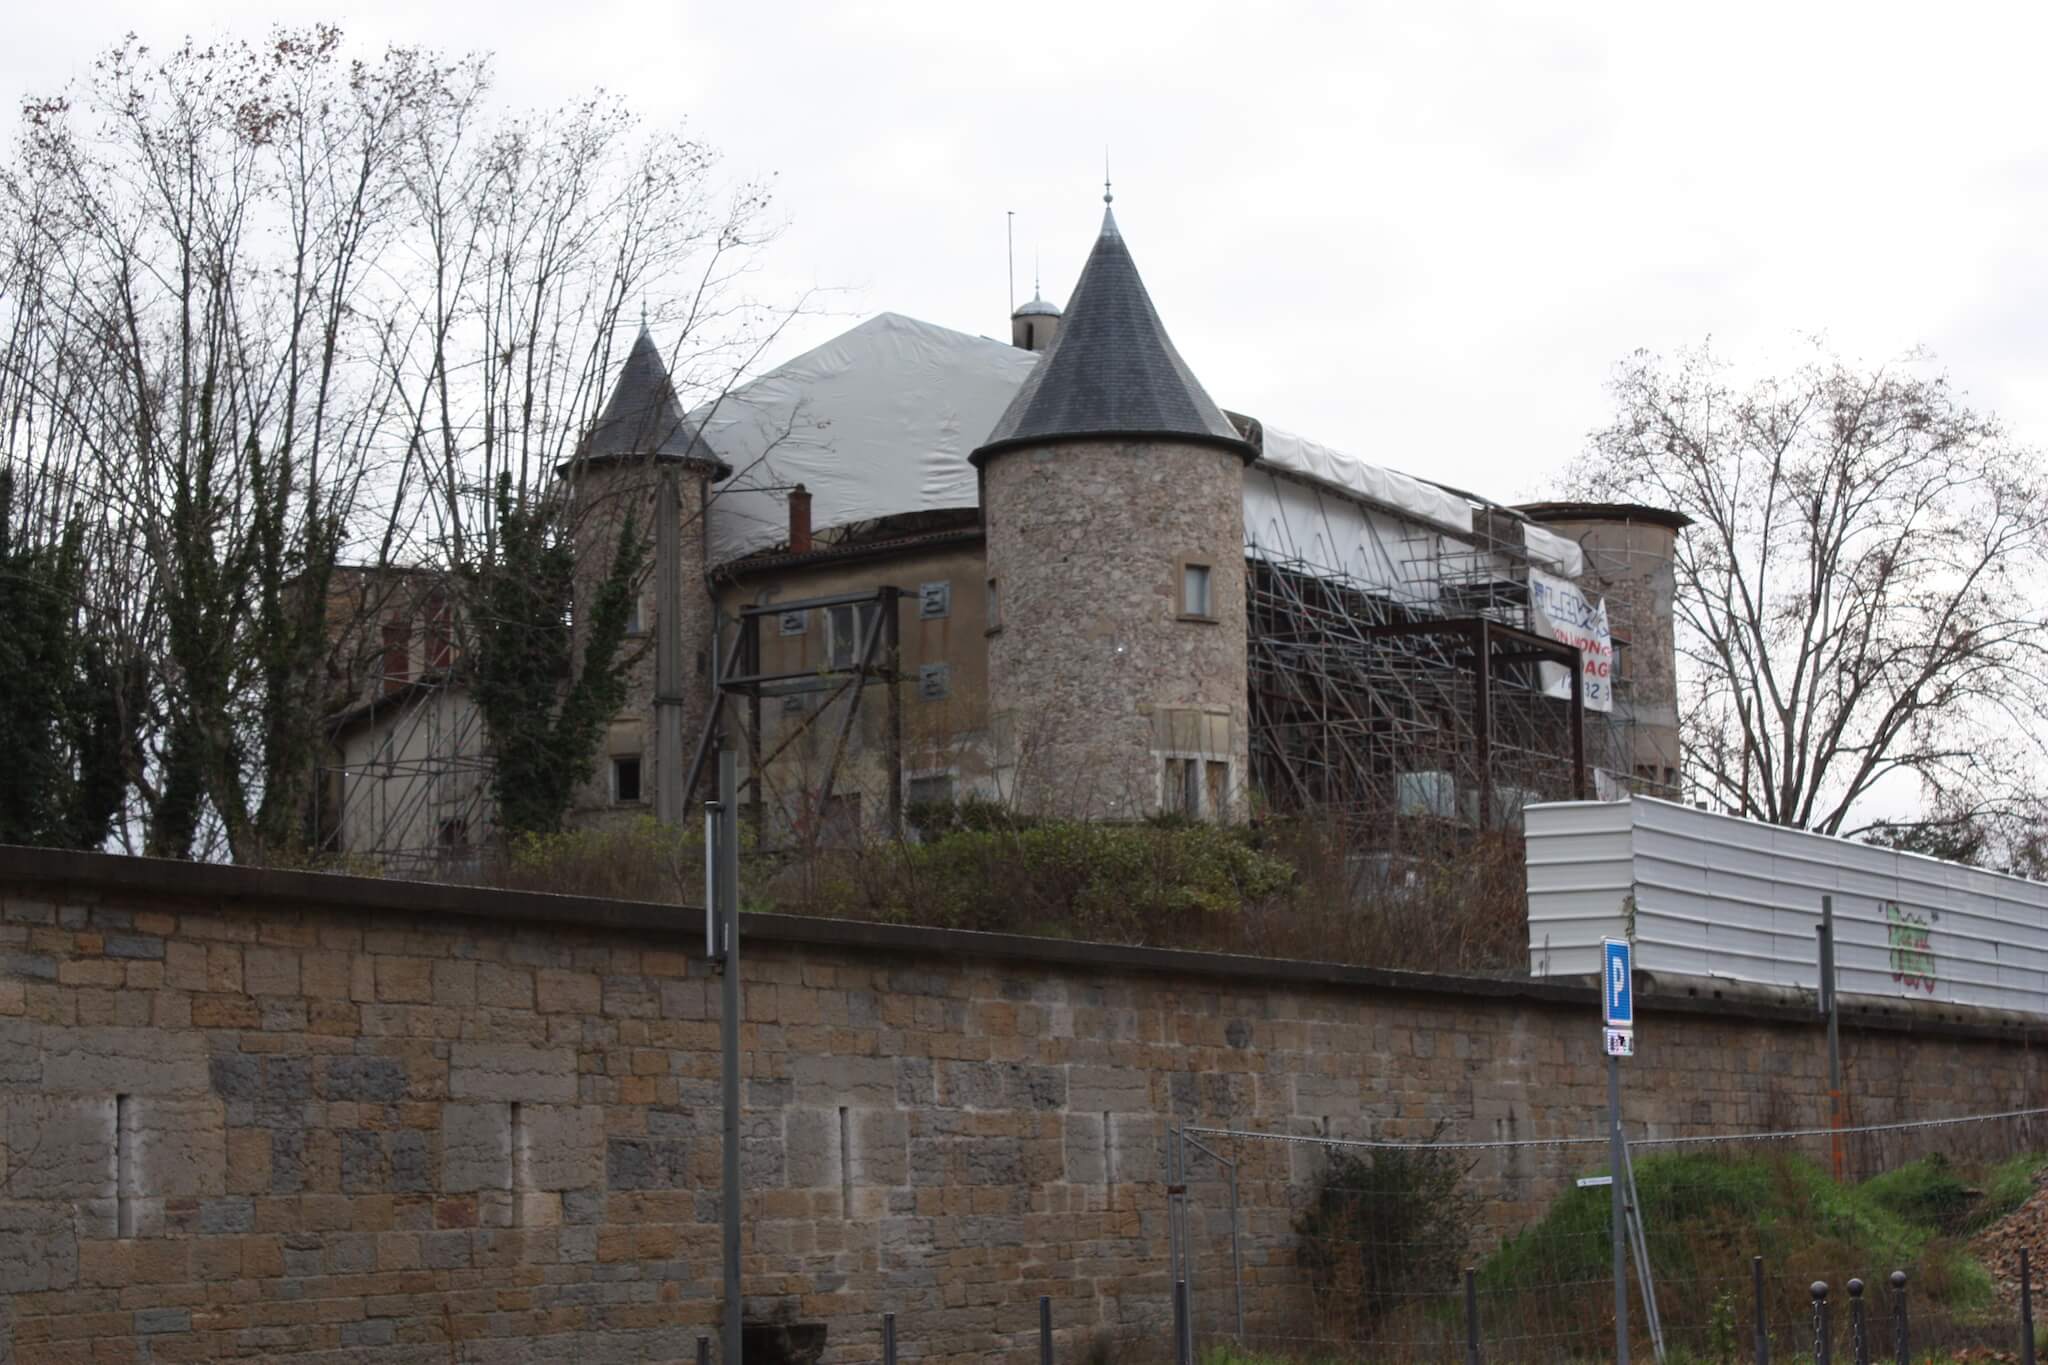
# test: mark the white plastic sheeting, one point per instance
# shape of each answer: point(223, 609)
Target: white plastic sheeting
point(1561, 553)
point(1291, 519)
point(1306, 459)
point(881, 419)
point(1718, 897)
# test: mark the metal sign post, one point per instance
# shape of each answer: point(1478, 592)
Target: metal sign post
point(1618, 1016)
point(1830, 1010)
point(722, 933)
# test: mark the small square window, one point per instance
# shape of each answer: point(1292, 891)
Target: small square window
point(793, 622)
point(1194, 591)
point(934, 600)
point(934, 682)
point(626, 780)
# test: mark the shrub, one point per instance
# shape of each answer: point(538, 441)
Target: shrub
point(1064, 878)
point(1382, 1227)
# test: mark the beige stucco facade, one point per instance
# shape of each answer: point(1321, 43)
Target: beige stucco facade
point(942, 632)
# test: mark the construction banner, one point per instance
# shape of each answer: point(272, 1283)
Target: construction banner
point(1564, 611)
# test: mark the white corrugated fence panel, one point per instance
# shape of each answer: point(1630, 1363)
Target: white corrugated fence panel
point(1580, 878)
point(1720, 897)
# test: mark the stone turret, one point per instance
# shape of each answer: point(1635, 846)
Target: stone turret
point(1631, 554)
point(638, 440)
point(1113, 498)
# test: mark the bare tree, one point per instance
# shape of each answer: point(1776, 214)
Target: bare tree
point(265, 308)
point(1858, 598)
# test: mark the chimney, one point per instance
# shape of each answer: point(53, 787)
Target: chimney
point(799, 520)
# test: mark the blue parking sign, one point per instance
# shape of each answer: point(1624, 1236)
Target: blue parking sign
point(1617, 982)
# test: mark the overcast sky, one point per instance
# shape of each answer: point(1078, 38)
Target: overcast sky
point(1420, 232)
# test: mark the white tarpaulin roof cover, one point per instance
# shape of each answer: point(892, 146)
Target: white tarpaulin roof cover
point(880, 420)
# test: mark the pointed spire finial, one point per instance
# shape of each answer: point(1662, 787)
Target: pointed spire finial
point(1106, 195)
point(643, 312)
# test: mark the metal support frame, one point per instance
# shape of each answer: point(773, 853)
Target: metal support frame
point(877, 659)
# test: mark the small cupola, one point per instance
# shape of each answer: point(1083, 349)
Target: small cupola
point(1034, 324)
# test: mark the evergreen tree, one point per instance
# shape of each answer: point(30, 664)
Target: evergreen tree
point(543, 713)
point(62, 726)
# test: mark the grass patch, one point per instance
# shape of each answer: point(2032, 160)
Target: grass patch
point(1706, 1215)
point(2008, 1185)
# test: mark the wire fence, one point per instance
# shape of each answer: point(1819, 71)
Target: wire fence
point(1305, 1248)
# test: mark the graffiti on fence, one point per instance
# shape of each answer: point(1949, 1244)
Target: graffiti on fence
point(1912, 948)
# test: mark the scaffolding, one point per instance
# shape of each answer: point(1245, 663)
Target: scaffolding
point(419, 804)
point(1419, 698)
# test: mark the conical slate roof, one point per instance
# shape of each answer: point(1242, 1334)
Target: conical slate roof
point(1112, 370)
point(642, 419)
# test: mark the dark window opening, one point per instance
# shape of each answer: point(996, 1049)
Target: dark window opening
point(625, 780)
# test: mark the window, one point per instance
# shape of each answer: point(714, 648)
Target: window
point(397, 654)
point(934, 682)
point(934, 600)
point(440, 634)
point(636, 617)
point(994, 608)
point(847, 629)
point(933, 789)
point(1196, 787)
point(1194, 592)
point(626, 780)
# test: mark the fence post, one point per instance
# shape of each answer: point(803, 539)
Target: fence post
point(2026, 1309)
point(888, 1339)
point(1045, 1329)
point(1859, 1348)
point(1236, 1259)
point(1823, 1338)
point(1901, 1349)
point(1763, 1332)
point(1471, 1316)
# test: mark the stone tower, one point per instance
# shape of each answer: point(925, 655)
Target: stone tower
point(1631, 553)
point(638, 442)
point(1113, 497)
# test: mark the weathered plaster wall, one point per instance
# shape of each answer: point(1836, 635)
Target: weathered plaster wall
point(276, 1116)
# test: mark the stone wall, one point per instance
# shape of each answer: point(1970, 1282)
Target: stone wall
point(255, 1115)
